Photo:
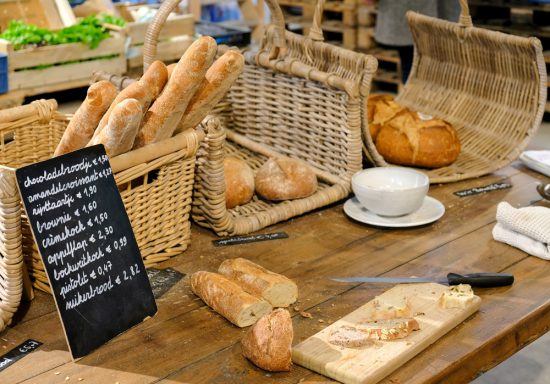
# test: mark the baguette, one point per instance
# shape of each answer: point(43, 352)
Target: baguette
point(162, 118)
point(218, 79)
point(85, 120)
point(170, 68)
point(121, 129)
point(228, 299)
point(145, 90)
point(268, 342)
point(276, 289)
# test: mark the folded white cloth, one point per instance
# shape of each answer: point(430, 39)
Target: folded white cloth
point(525, 228)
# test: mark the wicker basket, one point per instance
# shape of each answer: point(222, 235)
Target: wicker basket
point(155, 182)
point(297, 97)
point(491, 86)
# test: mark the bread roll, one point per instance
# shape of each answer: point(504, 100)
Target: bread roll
point(145, 90)
point(276, 289)
point(162, 118)
point(410, 138)
point(228, 299)
point(268, 343)
point(218, 79)
point(285, 179)
point(239, 182)
point(121, 129)
point(85, 120)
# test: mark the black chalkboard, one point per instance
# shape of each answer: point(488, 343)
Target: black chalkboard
point(87, 245)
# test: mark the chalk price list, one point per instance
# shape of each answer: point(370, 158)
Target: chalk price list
point(76, 233)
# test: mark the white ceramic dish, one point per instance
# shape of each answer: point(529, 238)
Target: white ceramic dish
point(390, 191)
point(430, 211)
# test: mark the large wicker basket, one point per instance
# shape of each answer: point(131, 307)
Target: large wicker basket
point(155, 182)
point(297, 97)
point(491, 86)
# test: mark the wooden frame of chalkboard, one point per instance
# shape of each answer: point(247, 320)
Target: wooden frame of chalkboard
point(87, 245)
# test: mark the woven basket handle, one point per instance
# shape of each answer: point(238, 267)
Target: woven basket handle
point(153, 31)
point(316, 33)
point(465, 18)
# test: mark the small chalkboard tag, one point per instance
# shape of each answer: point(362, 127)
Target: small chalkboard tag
point(249, 239)
point(18, 353)
point(163, 279)
point(486, 188)
point(87, 245)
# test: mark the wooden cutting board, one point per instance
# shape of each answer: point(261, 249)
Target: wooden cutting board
point(370, 364)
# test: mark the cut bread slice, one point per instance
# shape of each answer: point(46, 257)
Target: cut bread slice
point(457, 296)
point(365, 333)
point(390, 308)
point(390, 329)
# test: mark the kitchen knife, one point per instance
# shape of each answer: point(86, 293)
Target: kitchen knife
point(483, 280)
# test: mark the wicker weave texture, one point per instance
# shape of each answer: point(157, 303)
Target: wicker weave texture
point(491, 86)
point(156, 193)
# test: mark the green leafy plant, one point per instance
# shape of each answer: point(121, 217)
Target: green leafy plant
point(89, 31)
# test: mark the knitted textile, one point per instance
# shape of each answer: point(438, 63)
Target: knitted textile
point(525, 228)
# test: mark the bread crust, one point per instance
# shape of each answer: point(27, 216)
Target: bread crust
point(239, 182)
point(268, 343)
point(145, 90)
point(380, 109)
point(85, 120)
point(217, 81)
point(228, 299)
point(285, 179)
point(162, 118)
point(276, 289)
point(121, 129)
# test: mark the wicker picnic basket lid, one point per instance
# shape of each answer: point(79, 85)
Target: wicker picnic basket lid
point(491, 86)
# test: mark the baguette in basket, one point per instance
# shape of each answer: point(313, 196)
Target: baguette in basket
point(149, 110)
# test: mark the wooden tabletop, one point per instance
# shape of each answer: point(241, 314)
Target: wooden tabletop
point(188, 342)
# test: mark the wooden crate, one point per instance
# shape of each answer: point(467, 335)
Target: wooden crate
point(175, 37)
point(365, 38)
point(52, 68)
point(53, 14)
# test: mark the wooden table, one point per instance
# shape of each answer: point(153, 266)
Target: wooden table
point(187, 342)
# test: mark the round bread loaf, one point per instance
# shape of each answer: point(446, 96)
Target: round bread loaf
point(380, 109)
point(239, 182)
point(285, 179)
point(411, 138)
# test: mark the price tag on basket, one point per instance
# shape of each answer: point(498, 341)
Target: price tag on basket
point(87, 245)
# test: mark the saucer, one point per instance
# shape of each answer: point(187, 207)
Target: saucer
point(430, 211)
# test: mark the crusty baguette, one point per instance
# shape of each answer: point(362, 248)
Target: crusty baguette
point(276, 289)
point(162, 118)
point(217, 81)
point(268, 343)
point(145, 90)
point(170, 68)
point(85, 120)
point(121, 129)
point(228, 299)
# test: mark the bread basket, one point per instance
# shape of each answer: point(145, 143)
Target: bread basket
point(491, 86)
point(155, 182)
point(297, 97)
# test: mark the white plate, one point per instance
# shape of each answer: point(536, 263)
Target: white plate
point(537, 160)
point(430, 211)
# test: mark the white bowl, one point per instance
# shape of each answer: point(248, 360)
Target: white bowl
point(390, 191)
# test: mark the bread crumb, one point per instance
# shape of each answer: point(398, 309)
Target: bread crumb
point(80, 379)
point(419, 314)
point(67, 378)
point(306, 314)
point(321, 321)
point(296, 308)
point(57, 373)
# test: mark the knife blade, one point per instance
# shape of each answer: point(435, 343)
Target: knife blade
point(481, 280)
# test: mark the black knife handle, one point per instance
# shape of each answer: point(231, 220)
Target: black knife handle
point(483, 280)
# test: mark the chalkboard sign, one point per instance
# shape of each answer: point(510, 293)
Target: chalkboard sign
point(87, 245)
